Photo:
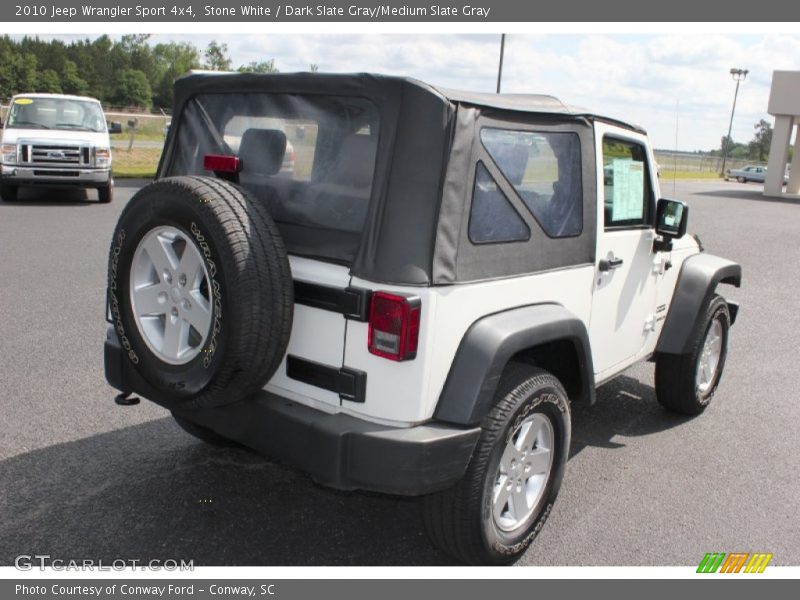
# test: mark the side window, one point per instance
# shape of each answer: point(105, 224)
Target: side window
point(545, 170)
point(493, 218)
point(626, 184)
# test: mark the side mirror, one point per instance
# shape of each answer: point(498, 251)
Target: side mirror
point(114, 127)
point(672, 217)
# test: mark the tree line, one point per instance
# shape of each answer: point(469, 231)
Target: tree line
point(125, 72)
point(755, 149)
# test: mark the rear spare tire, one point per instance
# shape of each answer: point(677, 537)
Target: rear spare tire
point(200, 291)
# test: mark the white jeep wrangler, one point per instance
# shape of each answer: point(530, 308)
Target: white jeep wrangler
point(413, 307)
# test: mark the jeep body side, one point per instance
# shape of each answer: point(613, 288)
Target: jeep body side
point(439, 244)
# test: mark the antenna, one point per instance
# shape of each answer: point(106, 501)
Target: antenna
point(675, 155)
point(500, 66)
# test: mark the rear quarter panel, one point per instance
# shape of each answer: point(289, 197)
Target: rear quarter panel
point(407, 392)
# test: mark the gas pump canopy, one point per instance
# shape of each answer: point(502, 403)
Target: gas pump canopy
point(784, 105)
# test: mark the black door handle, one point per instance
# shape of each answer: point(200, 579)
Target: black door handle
point(609, 264)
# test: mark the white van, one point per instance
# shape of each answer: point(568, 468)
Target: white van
point(55, 140)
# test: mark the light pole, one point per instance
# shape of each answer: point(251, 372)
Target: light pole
point(738, 75)
point(500, 66)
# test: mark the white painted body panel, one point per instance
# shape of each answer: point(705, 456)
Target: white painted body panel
point(317, 334)
point(96, 138)
point(407, 392)
point(614, 309)
point(623, 307)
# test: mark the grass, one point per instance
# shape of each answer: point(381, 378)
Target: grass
point(140, 136)
point(138, 163)
point(666, 175)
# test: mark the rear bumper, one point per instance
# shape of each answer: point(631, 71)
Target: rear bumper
point(337, 450)
point(50, 176)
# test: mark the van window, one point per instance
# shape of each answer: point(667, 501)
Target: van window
point(53, 112)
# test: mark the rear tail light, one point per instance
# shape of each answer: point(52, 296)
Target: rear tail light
point(221, 163)
point(394, 326)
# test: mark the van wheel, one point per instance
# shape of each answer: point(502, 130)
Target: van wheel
point(494, 513)
point(8, 192)
point(105, 194)
point(200, 291)
point(686, 383)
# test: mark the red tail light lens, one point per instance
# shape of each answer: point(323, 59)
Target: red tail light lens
point(221, 163)
point(394, 326)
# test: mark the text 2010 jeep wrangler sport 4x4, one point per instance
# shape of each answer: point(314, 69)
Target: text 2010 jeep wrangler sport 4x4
point(412, 308)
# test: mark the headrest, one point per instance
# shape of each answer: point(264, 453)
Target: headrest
point(356, 161)
point(262, 151)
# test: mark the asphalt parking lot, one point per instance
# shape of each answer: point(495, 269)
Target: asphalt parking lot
point(83, 478)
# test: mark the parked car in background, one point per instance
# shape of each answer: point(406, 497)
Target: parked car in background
point(56, 140)
point(753, 173)
point(749, 173)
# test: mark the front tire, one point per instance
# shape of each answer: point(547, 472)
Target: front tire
point(497, 509)
point(686, 383)
point(105, 194)
point(741, 180)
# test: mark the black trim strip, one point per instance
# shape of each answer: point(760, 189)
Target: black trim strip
point(350, 384)
point(352, 302)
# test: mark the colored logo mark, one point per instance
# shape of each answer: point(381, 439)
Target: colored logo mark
point(734, 562)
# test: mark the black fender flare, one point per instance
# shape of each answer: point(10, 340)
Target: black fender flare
point(697, 282)
point(489, 344)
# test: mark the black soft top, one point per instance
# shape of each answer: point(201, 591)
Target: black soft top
point(414, 232)
point(371, 84)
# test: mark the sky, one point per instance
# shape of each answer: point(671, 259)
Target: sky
point(678, 87)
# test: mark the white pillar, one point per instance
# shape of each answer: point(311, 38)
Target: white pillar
point(778, 155)
point(793, 187)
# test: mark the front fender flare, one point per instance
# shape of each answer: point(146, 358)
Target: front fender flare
point(489, 344)
point(700, 274)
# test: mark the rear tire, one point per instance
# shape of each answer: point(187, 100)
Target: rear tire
point(686, 383)
point(200, 292)
point(105, 194)
point(497, 509)
point(9, 192)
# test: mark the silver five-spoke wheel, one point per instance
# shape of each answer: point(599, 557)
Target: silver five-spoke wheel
point(169, 292)
point(709, 359)
point(523, 473)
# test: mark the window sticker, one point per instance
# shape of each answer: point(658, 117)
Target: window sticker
point(23, 101)
point(628, 177)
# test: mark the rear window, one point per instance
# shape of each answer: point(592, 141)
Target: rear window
point(309, 159)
